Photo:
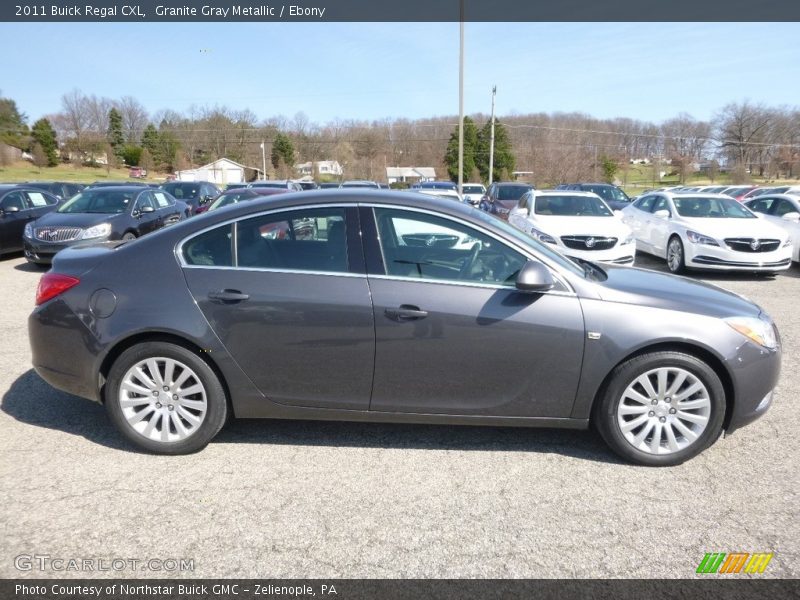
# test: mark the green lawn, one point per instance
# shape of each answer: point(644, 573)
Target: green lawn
point(25, 171)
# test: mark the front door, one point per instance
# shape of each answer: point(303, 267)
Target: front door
point(291, 304)
point(454, 336)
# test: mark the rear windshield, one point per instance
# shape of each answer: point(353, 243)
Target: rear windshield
point(711, 208)
point(511, 192)
point(473, 189)
point(232, 198)
point(182, 190)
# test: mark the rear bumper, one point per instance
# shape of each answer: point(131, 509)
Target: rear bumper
point(62, 349)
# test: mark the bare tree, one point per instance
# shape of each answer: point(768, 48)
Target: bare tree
point(134, 118)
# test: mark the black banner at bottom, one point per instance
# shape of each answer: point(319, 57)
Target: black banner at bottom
point(395, 589)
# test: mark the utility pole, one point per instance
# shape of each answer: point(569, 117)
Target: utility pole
point(263, 160)
point(595, 162)
point(491, 141)
point(461, 103)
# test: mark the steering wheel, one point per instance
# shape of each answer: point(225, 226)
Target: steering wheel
point(470, 261)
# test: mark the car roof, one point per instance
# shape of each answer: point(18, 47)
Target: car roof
point(794, 197)
point(581, 193)
point(120, 187)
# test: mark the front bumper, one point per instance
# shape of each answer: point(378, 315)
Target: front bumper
point(755, 372)
point(619, 255)
point(701, 256)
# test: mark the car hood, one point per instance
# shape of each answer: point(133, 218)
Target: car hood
point(82, 220)
point(596, 226)
point(630, 285)
point(727, 228)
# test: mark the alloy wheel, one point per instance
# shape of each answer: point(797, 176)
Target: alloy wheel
point(664, 410)
point(674, 255)
point(162, 399)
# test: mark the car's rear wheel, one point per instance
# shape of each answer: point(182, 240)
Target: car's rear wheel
point(675, 256)
point(165, 399)
point(661, 409)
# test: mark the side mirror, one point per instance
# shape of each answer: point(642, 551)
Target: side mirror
point(534, 277)
point(147, 209)
point(11, 209)
point(794, 217)
point(662, 214)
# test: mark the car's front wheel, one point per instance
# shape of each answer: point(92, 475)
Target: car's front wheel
point(165, 399)
point(661, 409)
point(675, 255)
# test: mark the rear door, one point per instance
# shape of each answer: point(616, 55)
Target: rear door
point(453, 335)
point(15, 214)
point(287, 294)
point(658, 229)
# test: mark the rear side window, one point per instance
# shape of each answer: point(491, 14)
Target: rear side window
point(210, 249)
point(303, 240)
point(762, 205)
point(161, 199)
point(645, 203)
point(39, 199)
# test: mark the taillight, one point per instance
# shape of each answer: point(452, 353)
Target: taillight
point(53, 284)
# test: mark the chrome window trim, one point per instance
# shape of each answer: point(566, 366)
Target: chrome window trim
point(489, 286)
point(527, 252)
point(279, 271)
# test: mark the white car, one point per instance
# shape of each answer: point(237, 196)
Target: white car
point(784, 211)
point(707, 231)
point(473, 192)
point(578, 224)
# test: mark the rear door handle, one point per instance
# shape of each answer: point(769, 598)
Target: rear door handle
point(406, 312)
point(227, 296)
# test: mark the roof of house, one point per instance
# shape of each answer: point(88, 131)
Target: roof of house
point(426, 172)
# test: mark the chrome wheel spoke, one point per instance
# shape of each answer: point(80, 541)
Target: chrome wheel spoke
point(195, 404)
point(661, 378)
point(141, 415)
point(639, 438)
point(689, 391)
point(672, 442)
point(692, 404)
point(655, 442)
point(685, 431)
point(632, 394)
point(169, 372)
point(130, 386)
point(694, 418)
point(645, 382)
point(627, 409)
point(190, 391)
point(634, 423)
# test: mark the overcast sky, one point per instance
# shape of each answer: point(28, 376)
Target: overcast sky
point(377, 70)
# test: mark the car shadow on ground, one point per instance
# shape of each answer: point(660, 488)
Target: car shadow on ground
point(32, 401)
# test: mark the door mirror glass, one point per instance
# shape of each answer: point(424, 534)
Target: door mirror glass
point(534, 277)
point(791, 216)
point(662, 214)
point(147, 209)
point(12, 209)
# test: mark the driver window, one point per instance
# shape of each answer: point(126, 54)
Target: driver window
point(13, 200)
point(783, 207)
point(145, 199)
point(423, 246)
point(661, 204)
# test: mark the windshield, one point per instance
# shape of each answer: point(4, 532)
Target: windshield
point(182, 190)
point(274, 184)
point(473, 189)
point(438, 185)
point(99, 201)
point(356, 184)
point(609, 193)
point(571, 206)
point(528, 240)
point(231, 198)
point(711, 208)
point(511, 192)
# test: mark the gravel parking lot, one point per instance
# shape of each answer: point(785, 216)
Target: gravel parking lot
point(308, 499)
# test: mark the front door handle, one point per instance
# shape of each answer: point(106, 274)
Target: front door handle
point(406, 312)
point(227, 296)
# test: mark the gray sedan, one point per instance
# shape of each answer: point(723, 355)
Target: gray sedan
point(384, 306)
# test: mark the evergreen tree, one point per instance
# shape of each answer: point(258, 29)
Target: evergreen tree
point(151, 141)
point(13, 130)
point(114, 135)
point(282, 151)
point(470, 150)
point(504, 161)
point(44, 135)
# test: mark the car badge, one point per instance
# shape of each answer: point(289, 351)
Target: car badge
point(590, 242)
point(430, 241)
point(755, 245)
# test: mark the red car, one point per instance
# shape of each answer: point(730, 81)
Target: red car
point(738, 192)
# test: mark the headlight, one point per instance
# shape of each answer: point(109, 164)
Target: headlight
point(627, 240)
point(98, 231)
point(28, 233)
point(543, 237)
point(698, 238)
point(757, 330)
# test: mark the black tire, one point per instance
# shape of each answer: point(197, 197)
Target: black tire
point(128, 236)
point(680, 267)
point(217, 405)
point(605, 414)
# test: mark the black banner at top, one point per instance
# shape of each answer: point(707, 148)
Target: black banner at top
point(399, 10)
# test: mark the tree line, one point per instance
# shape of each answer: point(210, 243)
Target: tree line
point(743, 137)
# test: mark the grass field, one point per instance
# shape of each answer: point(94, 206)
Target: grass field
point(640, 178)
point(25, 171)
